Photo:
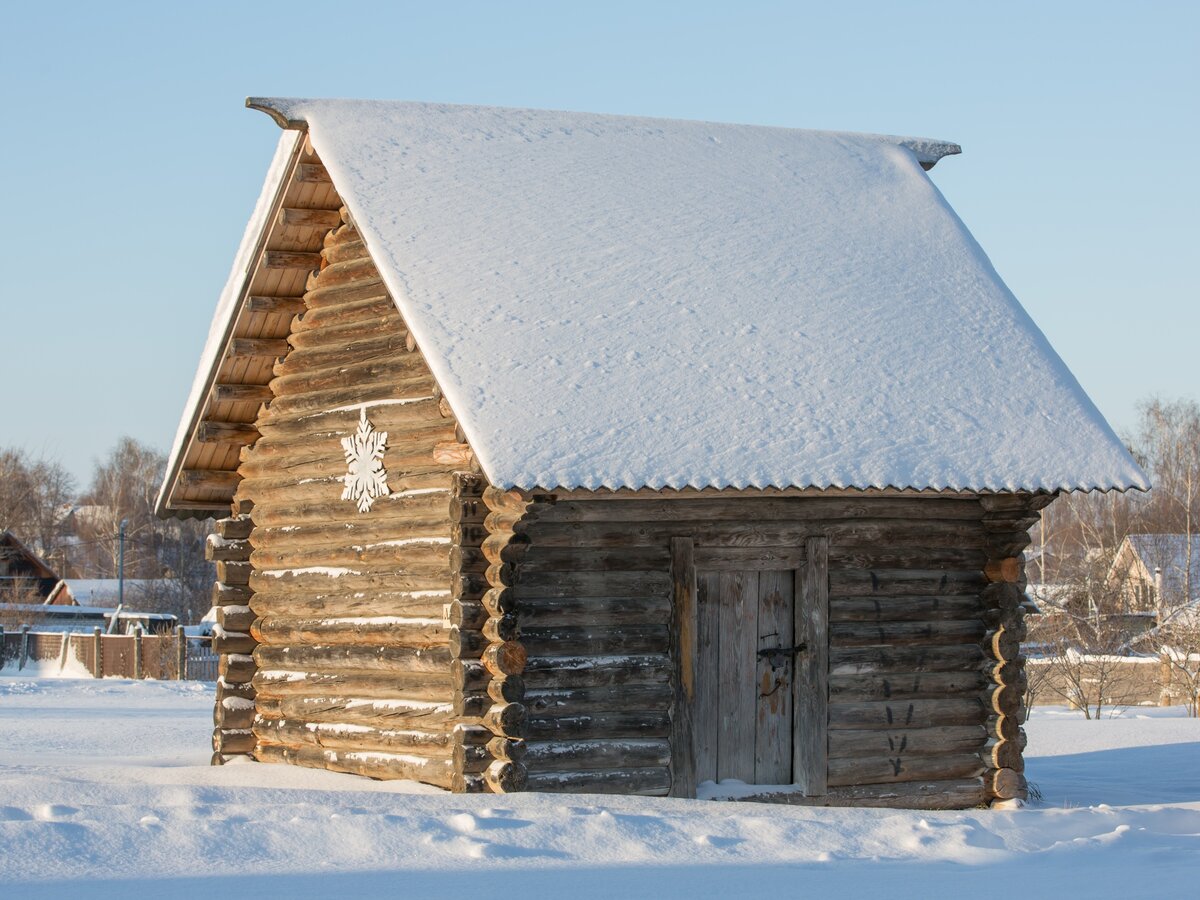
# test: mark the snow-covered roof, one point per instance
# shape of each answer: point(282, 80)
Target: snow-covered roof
point(625, 302)
point(104, 591)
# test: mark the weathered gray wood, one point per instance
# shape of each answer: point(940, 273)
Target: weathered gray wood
point(684, 652)
point(898, 686)
point(585, 671)
point(737, 675)
point(906, 634)
point(557, 756)
point(904, 609)
point(871, 660)
point(773, 681)
point(627, 724)
point(848, 772)
point(810, 698)
point(846, 744)
point(655, 782)
point(957, 794)
point(908, 713)
point(598, 641)
point(706, 716)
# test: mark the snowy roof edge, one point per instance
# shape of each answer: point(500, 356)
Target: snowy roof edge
point(928, 151)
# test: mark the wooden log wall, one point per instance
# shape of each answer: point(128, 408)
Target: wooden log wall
point(1007, 520)
point(350, 609)
point(233, 712)
point(915, 628)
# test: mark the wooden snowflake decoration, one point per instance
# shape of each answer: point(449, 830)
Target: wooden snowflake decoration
point(367, 478)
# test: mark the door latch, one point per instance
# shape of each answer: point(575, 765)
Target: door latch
point(779, 657)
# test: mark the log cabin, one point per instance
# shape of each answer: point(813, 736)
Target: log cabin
point(583, 453)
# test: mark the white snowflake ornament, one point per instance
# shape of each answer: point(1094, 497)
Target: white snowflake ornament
point(367, 478)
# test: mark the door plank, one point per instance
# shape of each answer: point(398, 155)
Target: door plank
point(706, 712)
point(773, 727)
point(810, 697)
point(738, 674)
point(683, 632)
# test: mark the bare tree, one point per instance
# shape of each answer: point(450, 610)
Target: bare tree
point(35, 495)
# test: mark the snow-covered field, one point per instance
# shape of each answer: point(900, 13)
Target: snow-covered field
point(105, 792)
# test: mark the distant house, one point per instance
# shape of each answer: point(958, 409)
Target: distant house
point(24, 576)
point(106, 592)
point(1154, 573)
point(570, 452)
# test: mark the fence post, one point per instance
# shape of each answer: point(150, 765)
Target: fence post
point(24, 647)
point(180, 653)
point(97, 653)
point(137, 651)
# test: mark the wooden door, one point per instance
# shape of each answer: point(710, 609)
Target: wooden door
point(759, 707)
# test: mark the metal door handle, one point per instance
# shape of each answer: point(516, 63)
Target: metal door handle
point(779, 656)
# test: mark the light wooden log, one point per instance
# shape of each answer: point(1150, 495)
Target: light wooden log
point(415, 553)
point(393, 506)
point(324, 296)
point(363, 739)
point(345, 313)
point(232, 713)
point(233, 572)
point(410, 415)
point(280, 683)
point(324, 219)
point(262, 348)
point(366, 631)
point(276, 306)
point(290, 259)
point(230, 594)
point(229, 740)
point(450, 453)
point(354, 272)
point(345, 335)
point(236, 668)
point(415, 604)
point(234, 529)
point(210, 479)
point(233, 642)
point(349, 660)
point(238, 433)
point(358, 530)
point(505, 777)
point(418, 385)
point(241, 393)
point(344, 251)
point(235, 618)
point(311, 173)
point(399, 714)
point(1008, 569)
point(1007, 784)
point(227, 550)
point(508, 658)
point(383, 766)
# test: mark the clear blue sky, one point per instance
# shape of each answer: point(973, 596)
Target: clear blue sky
point(132, 165)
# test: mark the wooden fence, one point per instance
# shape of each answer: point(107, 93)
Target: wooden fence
point(137, 655)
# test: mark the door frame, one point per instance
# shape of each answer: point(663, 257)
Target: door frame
point(810, 680)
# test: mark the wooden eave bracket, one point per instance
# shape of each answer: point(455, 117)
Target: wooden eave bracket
point(264, 105)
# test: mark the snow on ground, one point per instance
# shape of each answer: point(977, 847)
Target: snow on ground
point(105, 791)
